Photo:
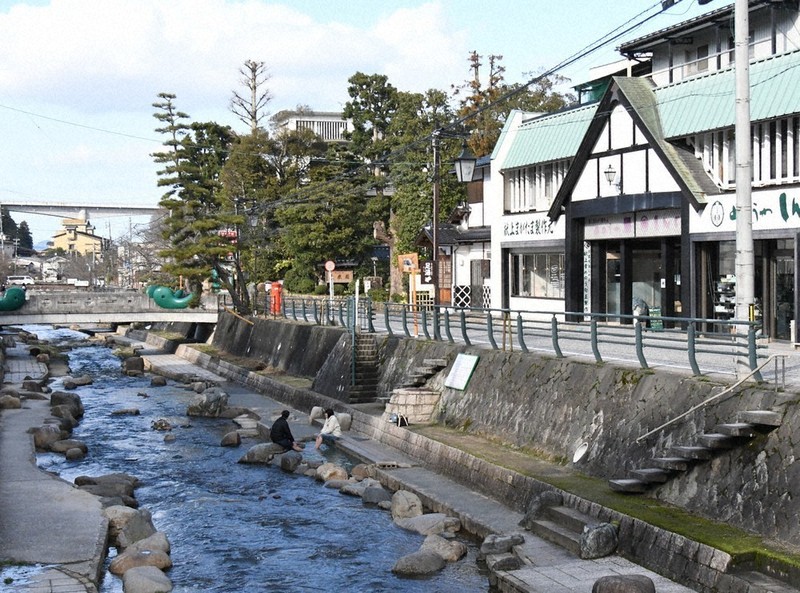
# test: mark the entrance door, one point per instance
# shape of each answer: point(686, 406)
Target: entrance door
point(784, 296)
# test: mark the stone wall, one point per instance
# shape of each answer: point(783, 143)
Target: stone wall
point(551, 406)
point(299, 349)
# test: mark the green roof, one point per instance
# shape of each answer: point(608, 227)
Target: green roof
point(706, 103)
point(549, 138)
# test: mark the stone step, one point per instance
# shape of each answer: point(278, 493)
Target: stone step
point(568, 518)
point(757, 582)
point(692, 452)
point(678, 464)
point(652, 475)
point(737, 429)
point(761, 418)
point(629, 485)
point(557, 534)
point(714, 440)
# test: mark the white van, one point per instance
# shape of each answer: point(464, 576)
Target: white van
point(24, 280)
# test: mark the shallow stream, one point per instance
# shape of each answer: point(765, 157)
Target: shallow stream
point(233, 528)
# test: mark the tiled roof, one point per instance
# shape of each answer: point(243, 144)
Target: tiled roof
point(707, 103)
point(549, 138)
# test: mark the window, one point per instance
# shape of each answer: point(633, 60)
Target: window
point(533, 188)
point(538, 275)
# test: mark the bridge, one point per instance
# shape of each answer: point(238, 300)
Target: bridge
point(79, 211)
point(67, 308)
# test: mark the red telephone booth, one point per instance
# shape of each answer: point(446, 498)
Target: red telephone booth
point(275, 298)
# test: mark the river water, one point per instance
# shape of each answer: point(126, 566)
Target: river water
point(233, 528)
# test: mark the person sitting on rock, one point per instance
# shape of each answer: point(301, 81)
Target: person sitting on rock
point(281, 434)
point(330, 430)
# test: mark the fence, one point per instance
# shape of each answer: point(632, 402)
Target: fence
point(703, 346)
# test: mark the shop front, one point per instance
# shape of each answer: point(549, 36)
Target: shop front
point(776, 226)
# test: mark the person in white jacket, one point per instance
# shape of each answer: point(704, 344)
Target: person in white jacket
point(330, 430)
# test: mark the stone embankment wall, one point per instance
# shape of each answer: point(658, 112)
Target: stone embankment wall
point(552, 406)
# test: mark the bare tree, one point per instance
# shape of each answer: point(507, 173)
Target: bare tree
point(250, 108)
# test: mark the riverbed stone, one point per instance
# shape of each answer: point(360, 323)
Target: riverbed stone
point(500, 544)
point(376, 495)
point(158, 542)
point(134, 558)
point(262, 453)
point(65, 445)
point(598, 541)
point(145, 579)
point(628, 583)
point(450, 550)
point(405, 504)
point(127, 526)
point(109, 485)
point(432, 523)
point(231, 439)
point(71, 400)
point(32, 385)
point(504, 562)
point(336, 484)
point(357, 488)
point(290, 461)
point(418, 563)
point(210, 403)
point(44, 436)
point(331, 471)
point(133, 365)
point(345, 420)
point(74, 454)
point(158, 381)
point(10, 402)
point(362, 471)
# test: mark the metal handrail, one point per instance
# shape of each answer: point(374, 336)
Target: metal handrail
point(711, 399)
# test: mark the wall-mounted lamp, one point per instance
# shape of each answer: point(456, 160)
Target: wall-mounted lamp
point(611, 174)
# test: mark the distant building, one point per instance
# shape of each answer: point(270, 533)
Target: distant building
point(77, 236)
point(330, 126)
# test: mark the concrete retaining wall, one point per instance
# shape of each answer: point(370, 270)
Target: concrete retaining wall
point(551, 406)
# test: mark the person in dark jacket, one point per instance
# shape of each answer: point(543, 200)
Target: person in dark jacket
point(281, 434)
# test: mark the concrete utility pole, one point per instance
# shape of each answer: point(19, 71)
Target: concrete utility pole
point(745, 261)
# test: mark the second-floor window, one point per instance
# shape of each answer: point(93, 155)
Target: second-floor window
point(533, 188)
point(776, 153)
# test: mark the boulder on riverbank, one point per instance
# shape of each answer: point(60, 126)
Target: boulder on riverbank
point(145, 579)
point(209, 404)
point(419, 563)
point(69, 401)
point(262, 453)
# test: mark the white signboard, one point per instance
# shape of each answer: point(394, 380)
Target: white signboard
point(531, 226)
point(772, 210)
point(459, 375)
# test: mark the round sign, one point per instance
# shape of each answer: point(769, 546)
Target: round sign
point(330, 266)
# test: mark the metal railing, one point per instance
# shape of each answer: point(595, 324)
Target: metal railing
point(700, 345)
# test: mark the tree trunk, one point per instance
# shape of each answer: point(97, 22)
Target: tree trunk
point(395, 273)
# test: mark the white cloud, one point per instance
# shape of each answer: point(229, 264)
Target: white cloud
point(112, 55)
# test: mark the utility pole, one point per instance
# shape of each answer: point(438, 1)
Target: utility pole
point(745, 260)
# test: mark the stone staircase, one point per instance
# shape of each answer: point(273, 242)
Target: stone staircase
point(562, 526)
point(682, 457)
point(413, 399)
point(365, 389)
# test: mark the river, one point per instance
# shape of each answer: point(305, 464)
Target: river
point(233, 528)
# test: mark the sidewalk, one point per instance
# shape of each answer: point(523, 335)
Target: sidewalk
point(43, 519)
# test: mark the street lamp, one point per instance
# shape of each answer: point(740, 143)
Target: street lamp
point(465, 168)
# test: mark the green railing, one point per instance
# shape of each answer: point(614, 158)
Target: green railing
point(702, 345)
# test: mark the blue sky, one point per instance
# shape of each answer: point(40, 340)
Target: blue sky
point(78, 77)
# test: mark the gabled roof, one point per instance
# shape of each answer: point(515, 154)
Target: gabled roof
point(548, 138)
point(637, 96)
point(706, 103)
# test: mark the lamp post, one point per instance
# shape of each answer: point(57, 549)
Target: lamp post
point(465, 168)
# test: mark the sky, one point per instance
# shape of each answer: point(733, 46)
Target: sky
point(78, 77)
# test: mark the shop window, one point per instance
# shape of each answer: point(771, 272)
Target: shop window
point(538, 275)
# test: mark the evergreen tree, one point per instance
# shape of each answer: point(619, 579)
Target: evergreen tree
point(24, 236)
